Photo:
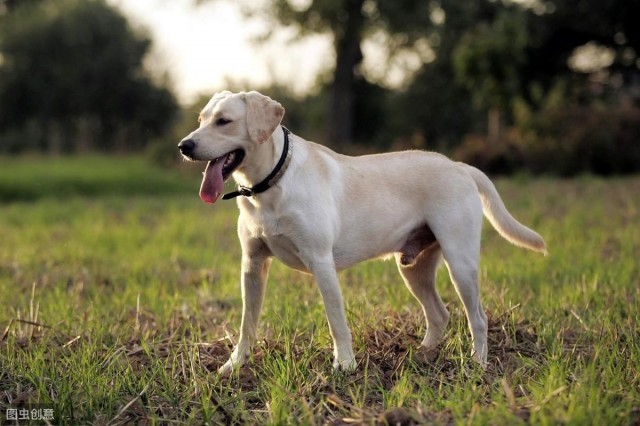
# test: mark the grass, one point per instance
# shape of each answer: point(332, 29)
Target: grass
point(121, 298)
point(30, 179)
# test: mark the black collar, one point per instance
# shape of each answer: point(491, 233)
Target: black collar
point(273, 177)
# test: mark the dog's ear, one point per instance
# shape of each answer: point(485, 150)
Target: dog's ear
point(263, 116)
point(222, 94)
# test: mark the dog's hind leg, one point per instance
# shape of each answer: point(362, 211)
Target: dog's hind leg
point(464, 274)
point(462, 255)
point(255, 269)
point(420, 279)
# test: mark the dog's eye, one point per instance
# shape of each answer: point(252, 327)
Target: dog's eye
point(222, 121)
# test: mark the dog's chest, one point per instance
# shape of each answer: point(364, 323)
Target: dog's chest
point(285, 249)
point(278, 233)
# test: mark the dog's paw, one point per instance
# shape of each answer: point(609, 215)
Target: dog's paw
point(228, 368)
point(238, 357)
point(431, 340)
point(348, 365)
point(234, 362)
point(480, 358)
point(426, 355)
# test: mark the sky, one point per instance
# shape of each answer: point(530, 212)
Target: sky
point(203, 47)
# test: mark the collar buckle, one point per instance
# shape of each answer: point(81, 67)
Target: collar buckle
point(246, 192)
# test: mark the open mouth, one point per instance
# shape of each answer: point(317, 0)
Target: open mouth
point(231, 161)
point(217, 172)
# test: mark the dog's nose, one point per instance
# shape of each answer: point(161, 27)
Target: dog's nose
point(186, 146)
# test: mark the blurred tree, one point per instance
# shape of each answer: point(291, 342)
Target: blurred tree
point(72, 77)
point(349, 22)
point(489, 59)
point(559, 27)
point(502, 53)
point(8, 5)
point(511, 61)
point(437, 108)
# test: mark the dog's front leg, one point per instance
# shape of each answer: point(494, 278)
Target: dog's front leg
point(327, 281)
point(255, 269)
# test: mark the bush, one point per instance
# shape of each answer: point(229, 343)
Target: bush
point(500, 157)
point(563, 142)
point(579, 139)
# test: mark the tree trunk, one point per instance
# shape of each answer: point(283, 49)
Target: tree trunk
point(348, 34)
point(493, 126)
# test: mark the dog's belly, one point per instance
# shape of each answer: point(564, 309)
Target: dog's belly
point(287, 252)
point(417, 240)
point(409, 244)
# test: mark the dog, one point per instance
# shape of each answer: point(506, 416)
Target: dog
point(320, 212)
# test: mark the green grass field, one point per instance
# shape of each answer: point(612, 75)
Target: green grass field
point(121, 298)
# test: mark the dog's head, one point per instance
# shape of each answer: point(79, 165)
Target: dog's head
point(232, 125)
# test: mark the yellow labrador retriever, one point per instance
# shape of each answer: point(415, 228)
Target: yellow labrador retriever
point(319, 212)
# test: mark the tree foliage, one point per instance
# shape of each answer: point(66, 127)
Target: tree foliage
point(349, 22)
point(72, 77)
point(489, 59)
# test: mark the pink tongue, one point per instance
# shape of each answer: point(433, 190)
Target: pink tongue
point(212, 182)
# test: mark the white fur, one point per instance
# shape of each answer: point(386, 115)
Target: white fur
point(331, 211)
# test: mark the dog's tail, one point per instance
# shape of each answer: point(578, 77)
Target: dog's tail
point(494, 209)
